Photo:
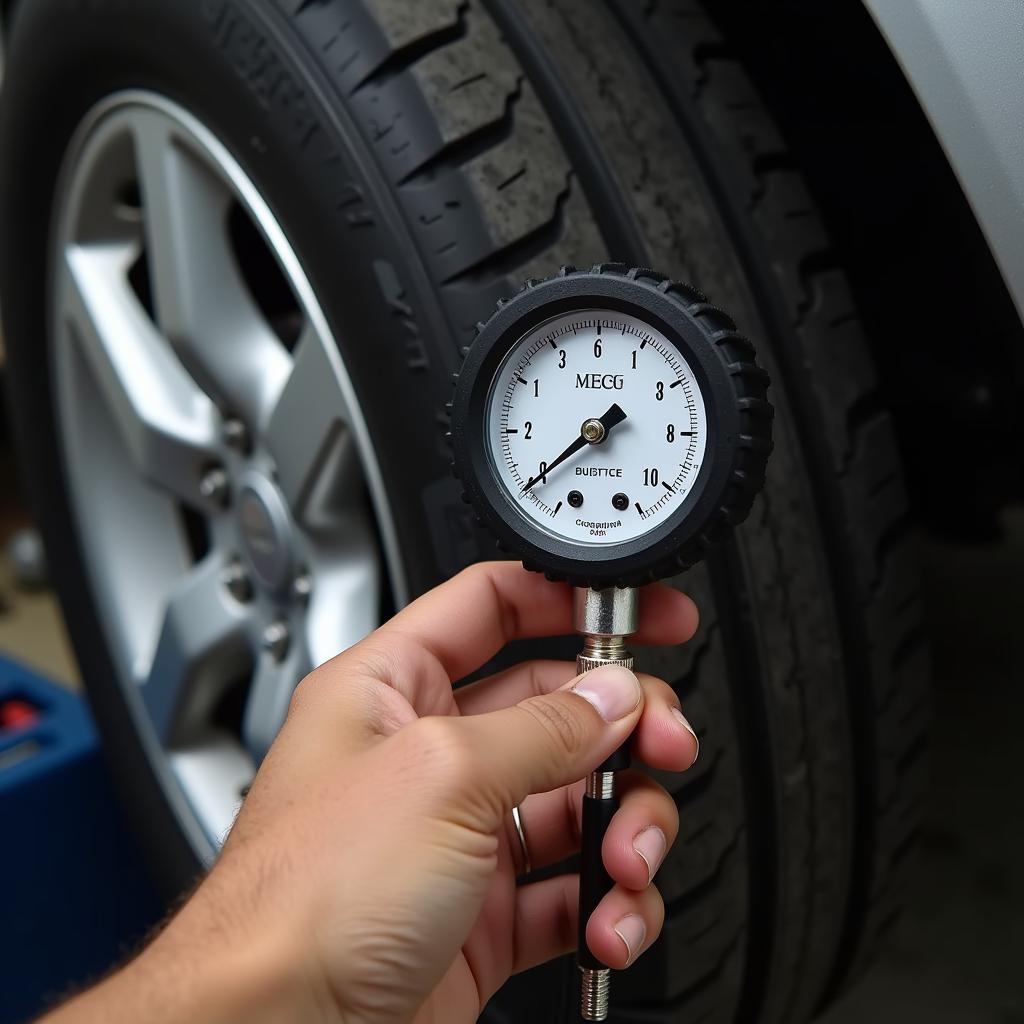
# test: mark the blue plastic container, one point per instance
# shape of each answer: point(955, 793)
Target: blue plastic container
point(75, 898)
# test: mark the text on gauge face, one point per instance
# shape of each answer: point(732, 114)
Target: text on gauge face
point(551, 431)
point(600, 381)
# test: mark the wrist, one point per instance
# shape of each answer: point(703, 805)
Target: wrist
point(205, 977)
point(239, 979)
point(249, 972)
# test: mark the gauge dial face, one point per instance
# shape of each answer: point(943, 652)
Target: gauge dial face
point(596, 426)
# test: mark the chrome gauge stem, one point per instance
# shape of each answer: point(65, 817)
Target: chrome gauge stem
point(605, 618)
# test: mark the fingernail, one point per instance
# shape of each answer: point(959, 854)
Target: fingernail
point(612, 689)
point(681, 719)
point(632, 930)
point(652, 845)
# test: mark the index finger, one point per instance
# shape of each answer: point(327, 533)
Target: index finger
point(467, 620)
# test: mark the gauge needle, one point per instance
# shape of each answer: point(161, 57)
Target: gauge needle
point(611, 418)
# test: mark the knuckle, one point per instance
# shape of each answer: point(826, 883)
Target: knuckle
point(671, 817)
point(378, 657)
point(478, 570)
point(442, 750)
point(654, 792)
point(654, 686)
point(657, 911)
point(306, 692)
point(477, 577)
point(564, 730)
point(652, 800)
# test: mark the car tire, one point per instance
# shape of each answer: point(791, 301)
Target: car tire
point(424, 158)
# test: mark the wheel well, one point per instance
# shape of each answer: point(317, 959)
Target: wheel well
point(923, 275)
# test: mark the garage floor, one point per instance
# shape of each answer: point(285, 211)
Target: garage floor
point(956, 956)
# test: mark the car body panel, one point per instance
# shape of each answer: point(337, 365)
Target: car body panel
point(963, 60)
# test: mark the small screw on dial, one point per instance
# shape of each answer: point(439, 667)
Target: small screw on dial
point(575, 499)
point(621, 501)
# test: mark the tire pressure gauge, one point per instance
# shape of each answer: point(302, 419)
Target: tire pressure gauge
point(609, 426)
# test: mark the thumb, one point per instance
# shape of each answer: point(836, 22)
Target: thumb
point(556, 738)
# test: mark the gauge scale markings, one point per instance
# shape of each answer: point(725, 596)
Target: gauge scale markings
point(596, 365)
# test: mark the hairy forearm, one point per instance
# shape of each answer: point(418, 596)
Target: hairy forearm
point(193, 974)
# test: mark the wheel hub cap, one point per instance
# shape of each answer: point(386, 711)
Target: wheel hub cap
point(267, 531)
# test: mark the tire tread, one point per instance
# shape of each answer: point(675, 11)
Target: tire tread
point(496, 157)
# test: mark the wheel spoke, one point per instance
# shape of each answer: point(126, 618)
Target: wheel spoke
point(168, 424)
point(202, 303)
point(307, 432)
point(343, 610)
point(346, 603)
point(214, 772)
point(202, 646)
point(271, 691)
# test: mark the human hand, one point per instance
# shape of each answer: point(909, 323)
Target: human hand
point(371, 874)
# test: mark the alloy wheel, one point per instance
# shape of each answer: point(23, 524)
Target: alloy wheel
point(224, 484)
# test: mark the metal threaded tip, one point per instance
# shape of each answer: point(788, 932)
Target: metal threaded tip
point(601, 785)
point(605, 648)
point(585, 664)
point(594, 983)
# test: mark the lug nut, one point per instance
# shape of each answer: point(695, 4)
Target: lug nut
point(214, 486)
point(303, 586)
point(276, 638)
point(235, 434)
point(238, 583)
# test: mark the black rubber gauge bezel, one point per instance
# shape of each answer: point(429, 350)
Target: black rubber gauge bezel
point(738, 421)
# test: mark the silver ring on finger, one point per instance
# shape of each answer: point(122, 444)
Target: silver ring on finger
point(517, 820)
